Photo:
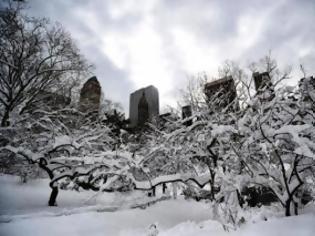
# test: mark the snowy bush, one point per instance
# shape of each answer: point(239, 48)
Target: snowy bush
point(267, 147)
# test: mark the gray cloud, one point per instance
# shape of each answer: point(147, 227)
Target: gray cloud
point(136, 43)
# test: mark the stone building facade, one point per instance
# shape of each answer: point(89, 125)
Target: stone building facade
point(143, 106)
point(262, 81)
point(90, 96)
point(221, 93)
point(187, 112)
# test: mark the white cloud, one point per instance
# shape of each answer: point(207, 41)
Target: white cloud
point(160, 42)
point(140, 53)
point(195, 54)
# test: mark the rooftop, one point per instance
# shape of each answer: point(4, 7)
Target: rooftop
point(219, 81)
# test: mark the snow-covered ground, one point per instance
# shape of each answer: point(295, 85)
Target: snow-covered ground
point(23, 211)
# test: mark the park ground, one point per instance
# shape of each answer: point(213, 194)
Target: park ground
point(24, 211)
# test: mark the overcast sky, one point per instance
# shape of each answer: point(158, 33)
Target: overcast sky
point(136, 43)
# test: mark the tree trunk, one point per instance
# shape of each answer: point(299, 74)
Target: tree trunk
point(288, 205)
point(296, 211)
point(291, 206)
point(239, 198)
point(174, 190)
point(53, 197)
point(5, 118)
point(211, 190)
point(164, 188)
point(153, 192)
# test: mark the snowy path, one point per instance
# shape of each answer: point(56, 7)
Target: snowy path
point(24, 208)
point(123, 222)
point(173, 218)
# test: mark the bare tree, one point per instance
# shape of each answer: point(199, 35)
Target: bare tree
point(65, 144)
point(193, 94)
point(267, 143)
point(34, 56)
point(278, 145)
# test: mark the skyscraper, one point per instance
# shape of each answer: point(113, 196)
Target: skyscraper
point(144, 106)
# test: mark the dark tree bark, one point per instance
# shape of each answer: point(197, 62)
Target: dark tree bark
point(164, 187)
point(53, 197)
point(36, 57)
point(5, 118)
point(54, 193)
point(153, 192)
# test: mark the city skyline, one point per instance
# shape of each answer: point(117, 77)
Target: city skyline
point(134, 44)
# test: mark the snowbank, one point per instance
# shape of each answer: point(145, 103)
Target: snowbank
point(291, 226)
point(23, 211)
